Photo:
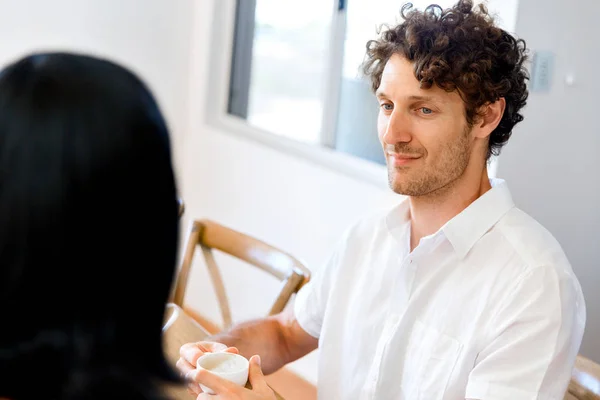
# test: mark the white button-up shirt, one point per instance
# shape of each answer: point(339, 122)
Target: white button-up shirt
point(486, 308)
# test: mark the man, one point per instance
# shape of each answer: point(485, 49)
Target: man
point(455, 293)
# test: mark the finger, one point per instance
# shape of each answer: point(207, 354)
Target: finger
point(184, 367)
point(187, 372)
point(194, 389)
point(216, 383)
point(212, 347)
point(191, 352)
point(204, 396)
point(233, 350)
point(256, 376)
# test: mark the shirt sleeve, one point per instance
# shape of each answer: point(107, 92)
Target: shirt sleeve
point(311, 301)
point(534, 340)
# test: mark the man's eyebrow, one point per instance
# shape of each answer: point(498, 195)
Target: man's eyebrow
point(421, 98)
point(382, 94)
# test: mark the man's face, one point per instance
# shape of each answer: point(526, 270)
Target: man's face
point(424, 132)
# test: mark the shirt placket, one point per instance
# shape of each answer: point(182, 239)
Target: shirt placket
point(397, 306)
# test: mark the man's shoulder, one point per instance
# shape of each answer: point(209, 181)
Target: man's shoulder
point(532, 241)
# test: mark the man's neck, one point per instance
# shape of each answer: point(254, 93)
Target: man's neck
point(429, 213)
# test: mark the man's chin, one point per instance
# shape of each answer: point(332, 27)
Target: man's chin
point(404, 188)
point(399, 187)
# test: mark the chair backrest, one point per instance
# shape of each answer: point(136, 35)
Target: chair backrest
point(209, 235)
point(585, 381)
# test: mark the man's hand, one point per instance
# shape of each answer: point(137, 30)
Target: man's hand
point(226, 390)
point(189, 354)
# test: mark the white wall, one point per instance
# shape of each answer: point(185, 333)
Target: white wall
point(152, 37)
point(552, 161)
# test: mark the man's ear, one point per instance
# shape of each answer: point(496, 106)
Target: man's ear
point(489, 118)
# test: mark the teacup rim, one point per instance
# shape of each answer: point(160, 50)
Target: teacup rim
point(226, 354)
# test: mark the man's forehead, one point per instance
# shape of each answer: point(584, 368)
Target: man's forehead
point(404, 84)
point(398, 79)
point(397, 62)
point(399, 71)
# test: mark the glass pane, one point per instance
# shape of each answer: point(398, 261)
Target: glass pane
point(288, 66)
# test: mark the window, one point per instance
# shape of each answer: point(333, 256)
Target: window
point(295, 68)
point(280, 68)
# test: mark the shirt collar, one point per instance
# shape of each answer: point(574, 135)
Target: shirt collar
point(466, 228)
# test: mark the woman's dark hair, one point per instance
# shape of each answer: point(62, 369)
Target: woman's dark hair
point(459, 48)
point(89, 231)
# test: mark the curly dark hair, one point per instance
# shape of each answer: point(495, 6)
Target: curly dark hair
point(459, 48)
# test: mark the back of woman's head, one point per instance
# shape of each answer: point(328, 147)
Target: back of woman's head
point(88, 238)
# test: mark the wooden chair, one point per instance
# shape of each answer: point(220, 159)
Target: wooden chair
point(209, 235)
point(585, 381)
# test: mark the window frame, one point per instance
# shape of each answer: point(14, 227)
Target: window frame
point(217, 114)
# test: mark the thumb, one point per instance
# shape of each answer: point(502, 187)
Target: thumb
point(255, 374)
point(233, 350)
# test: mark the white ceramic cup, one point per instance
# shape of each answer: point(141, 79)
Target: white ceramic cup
point(230, 366)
